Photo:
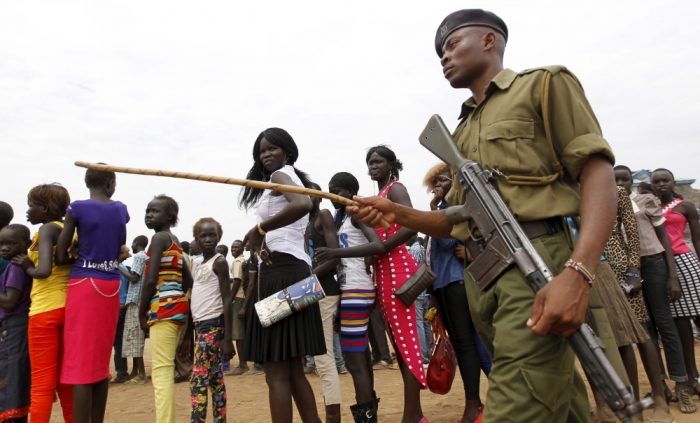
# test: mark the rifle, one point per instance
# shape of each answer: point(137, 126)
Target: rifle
point(505, 243)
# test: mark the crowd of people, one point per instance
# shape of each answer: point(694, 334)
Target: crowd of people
point(67, 301)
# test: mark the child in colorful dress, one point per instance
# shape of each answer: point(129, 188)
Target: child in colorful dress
point(212, 315)
point(164, 306)
point(15, 286)
point(47, 313)
point(92, 302)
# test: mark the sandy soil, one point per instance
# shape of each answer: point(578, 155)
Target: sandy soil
point(247, 399)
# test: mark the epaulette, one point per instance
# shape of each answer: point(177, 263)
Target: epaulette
point(553, 69)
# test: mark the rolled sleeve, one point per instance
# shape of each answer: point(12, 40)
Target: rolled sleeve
point(237, 270)
point(576, 134)
point(653, 211)
point(577, 152)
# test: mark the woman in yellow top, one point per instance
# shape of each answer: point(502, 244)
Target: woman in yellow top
point(47, 206)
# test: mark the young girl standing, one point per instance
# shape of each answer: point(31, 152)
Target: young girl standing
point(357, 295)
point(284, 261)
point(15, 286)
point(679, 214)
point(211, 315)
point(92, 303)
point(164, 306)
point(47, 206)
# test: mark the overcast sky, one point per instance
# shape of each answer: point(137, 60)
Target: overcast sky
point(188, 86)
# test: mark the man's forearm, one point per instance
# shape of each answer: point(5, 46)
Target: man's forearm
point(431, 223)
point(598, 210)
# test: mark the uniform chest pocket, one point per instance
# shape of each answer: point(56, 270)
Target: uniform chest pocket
point(511, 146)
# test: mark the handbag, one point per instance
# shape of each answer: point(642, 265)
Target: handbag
point(419, 282)
point(443, 360)
point(288, 301)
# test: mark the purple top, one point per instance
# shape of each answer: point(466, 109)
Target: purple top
point(14, 277)
point(101, 234)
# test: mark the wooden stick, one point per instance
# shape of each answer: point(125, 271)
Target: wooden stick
point(224, 180)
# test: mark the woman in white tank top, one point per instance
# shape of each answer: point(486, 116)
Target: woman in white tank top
point(357, 293)
point(282, 220)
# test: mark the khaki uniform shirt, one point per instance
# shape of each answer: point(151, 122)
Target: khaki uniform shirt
point(506, 132)
point(236, 271)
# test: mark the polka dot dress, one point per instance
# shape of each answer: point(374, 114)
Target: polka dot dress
point(392, 270)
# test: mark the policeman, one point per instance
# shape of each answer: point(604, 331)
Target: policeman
point(537, 129)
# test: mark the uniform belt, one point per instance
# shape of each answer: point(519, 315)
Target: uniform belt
point(533, 229)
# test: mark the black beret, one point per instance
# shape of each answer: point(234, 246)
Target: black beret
point(467, 17)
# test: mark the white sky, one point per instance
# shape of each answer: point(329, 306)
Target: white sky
point(188, 85)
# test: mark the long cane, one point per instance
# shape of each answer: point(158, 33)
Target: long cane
point(225, 180)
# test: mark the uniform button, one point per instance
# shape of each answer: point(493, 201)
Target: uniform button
point(474, 149)
point(476, 117)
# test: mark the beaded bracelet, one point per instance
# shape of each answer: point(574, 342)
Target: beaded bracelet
point(633, 275)
point(581, 269)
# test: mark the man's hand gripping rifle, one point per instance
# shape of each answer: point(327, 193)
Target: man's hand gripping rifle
point(505, 243)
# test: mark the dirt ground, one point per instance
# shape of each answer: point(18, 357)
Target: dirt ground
point(247, 399)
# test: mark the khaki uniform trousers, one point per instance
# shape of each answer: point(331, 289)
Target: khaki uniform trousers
point(533, 378)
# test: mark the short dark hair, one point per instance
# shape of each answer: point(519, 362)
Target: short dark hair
point(622, 167)
point(195, 228)
point(345, 180)
point(6, 214)
point(20, 230)
point(98, 178)
point(171, 207)
point(185, 246)
point(141, 241)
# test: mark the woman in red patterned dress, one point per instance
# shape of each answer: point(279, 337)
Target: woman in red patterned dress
point(392, 269)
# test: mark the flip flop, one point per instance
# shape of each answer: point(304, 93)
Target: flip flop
point(135, 381)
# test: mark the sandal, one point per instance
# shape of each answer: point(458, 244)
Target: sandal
point(685, 401)
point(660, 415)
point(134, 382)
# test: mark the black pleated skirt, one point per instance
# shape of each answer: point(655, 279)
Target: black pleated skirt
point(298, 335)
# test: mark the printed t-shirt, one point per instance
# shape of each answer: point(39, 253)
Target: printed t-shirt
point(14, 277)
point(101, 234)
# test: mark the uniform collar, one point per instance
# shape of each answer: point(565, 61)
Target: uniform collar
point(502, 81)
